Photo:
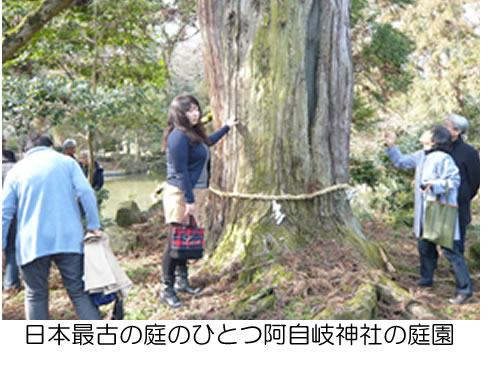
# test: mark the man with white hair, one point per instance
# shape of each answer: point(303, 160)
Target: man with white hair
point(467, 160)
point(69, 148)
point(98, 178)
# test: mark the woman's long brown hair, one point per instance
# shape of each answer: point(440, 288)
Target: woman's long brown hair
point(177, 120)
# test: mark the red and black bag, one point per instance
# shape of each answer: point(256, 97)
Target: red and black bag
point(187, 241)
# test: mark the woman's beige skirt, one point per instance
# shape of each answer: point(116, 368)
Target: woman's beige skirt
point(174, 205)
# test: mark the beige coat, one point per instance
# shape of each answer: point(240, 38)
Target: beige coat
point(102, 273)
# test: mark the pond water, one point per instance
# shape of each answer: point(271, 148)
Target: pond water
point(137, 187)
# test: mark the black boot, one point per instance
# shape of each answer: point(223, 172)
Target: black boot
point(182, 283)
point(169, 297)
point(118, 310)
point(167, 293)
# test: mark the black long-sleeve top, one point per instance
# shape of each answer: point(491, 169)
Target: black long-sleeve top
point(467, 160)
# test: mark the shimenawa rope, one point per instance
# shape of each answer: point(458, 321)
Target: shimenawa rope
point(308, 196)
point(264, 197)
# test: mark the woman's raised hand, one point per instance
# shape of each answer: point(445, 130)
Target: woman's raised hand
point(231, 122)
point(390, 138)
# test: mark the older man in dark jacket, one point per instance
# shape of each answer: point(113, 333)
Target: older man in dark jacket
point(467, 160)
point(98, 179)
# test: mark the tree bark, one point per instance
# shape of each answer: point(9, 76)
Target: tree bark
point(33, 22)
point(284, 69)
point(90, 135)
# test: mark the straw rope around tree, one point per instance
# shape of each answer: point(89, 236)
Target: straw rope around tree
point(308, 196)
point(264, 197)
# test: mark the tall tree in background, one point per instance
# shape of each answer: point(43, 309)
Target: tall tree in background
point(284, 69)
point(381, 56)
point(445, 62)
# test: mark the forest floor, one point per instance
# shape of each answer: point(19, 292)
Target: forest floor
point(325, 273)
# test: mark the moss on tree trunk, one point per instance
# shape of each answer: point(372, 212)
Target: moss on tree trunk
point(284, 69)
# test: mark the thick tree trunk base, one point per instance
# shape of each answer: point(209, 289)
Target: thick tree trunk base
point(267, 229)
point(272, 255)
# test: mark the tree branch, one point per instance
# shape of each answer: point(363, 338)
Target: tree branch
point(63, 66)
point(30, 25)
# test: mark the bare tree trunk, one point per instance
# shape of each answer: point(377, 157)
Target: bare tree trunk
point(284, 69)
point(137, 155)
point(90, 135)
point(33, 22)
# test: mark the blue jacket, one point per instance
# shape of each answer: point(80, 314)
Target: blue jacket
point(186, 161)
point(42, 190)
point(438, 169)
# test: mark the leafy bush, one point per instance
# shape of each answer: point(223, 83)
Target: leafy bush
point(364, 171)
point(392, 188)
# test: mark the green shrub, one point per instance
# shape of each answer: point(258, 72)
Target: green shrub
point(392, 188)
point(364, 171)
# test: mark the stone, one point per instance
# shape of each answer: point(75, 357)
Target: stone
point(121, 240)
point(128, 213)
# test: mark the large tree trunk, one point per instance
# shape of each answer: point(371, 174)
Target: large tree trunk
point(33, 22)
point(284, 69)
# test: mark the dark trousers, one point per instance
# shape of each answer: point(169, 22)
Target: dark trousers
point(461, 242)
point(428, 261)
point(169, 264)
point(11, 277)
point(36, 280)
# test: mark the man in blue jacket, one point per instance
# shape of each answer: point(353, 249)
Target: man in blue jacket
point(467, 160)
point(41, 189)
